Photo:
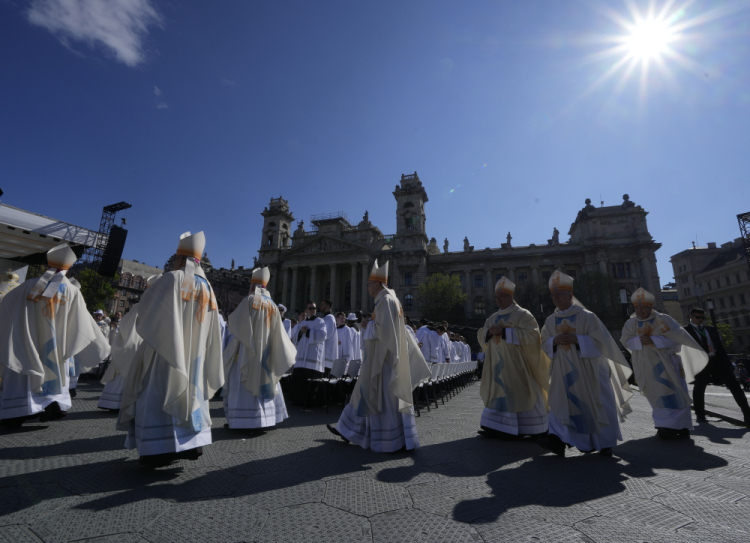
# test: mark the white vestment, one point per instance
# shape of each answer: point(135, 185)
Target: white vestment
point(258, 355)
point(332, 340)
point(311, 345)
point(124, 347)
point(589, 392)
point(660, 370)
point(288, 328)
point(345, 343)
point(356, 344)
point(380, 415)
point(176, 370)
point(40, 330)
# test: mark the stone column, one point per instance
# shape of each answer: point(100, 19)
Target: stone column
point(314, 284)
point(284, 284)
point(511, 274)
point(334, 289)
point(294, 298)
point(646, 272)
point(602, 260)
point(365, 277)
point(469, 304)
point(535, 274)
point(353, 289)
point(490, 291)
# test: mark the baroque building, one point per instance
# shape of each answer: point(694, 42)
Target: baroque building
point(334, 257)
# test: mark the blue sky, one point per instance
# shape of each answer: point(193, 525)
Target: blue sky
point(197, 113)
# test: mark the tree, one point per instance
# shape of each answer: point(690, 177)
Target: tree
point(534, 297)
point(727, 337)
point(96, 290)
point(440, 298)
point(600, 294)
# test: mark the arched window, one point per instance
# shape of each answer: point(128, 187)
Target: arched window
point(408, 302)
point(408, 204)
point(479, 306)
point(271, 224)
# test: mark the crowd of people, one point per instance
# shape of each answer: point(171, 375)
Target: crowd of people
point(564, 385)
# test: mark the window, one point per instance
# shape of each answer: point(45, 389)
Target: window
point(545, 276)
point(522, 278)
point(478, 281)
point(721, 303)
point(688, 291)
point(479, 306)
point(408, 204)
point(737, 278)
point(571, 273)
point(499, 276)
point(269, 241)
point(122, 303)
point(736, 321)
point(126, 282)
point(407, 279)
point(718, 285)
point(271, 224)
point(747, 320)
point(727, 280)
point(621, 270)
point(461, 279)
point(708, 286)
point(731, 301)
point(408, 302)
point(742, 299)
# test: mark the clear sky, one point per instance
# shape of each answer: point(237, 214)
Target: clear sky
point(512, 113)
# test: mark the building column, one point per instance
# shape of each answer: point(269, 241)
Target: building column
point(469, 305)
point(365, 277)
point(602, 261)
point(334, 288)
point(353, 289)
point(490, 290)
point(646, 273)
point(535, 274)
point(294, 296)
point(284, 283)
point(511, 274)
point(314, 284)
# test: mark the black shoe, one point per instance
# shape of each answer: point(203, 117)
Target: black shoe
point(226, 425)
point(667, 433)
point(683, 434)
point(701, 418)
point(73, 392)
point(52, 412)
point(606, 451)
point(553, 444)
point(535, 437)
point(334, 431)
point(157, 460)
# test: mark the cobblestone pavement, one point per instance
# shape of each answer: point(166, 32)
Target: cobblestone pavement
point(73, 481)
point(719, 401)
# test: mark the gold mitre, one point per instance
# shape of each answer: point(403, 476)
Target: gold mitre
point(642, 297)
point(61, 257)
point(560, 281)
point(505, 285)
point(261, 276)
point(152, 279)
point(191, 245)
point(379, 274)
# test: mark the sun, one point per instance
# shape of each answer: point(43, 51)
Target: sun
point(649, 39)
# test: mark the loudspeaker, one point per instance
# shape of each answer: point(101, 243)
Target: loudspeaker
point(113, 252)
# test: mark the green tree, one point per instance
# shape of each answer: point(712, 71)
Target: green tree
point(727, 337)
point(600, 293)
point(441, 298)
point(96, 289)
point(535, 298)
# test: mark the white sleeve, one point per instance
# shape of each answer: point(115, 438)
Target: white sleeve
point(318, 335)
point(369, 332)
point(588, 347)
point(664, 343)
point(634, 344)
point(511, 337)
point(549, 348)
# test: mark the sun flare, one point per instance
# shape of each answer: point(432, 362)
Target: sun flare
point(649, 39)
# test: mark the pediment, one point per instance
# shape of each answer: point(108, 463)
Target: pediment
point(323, 244)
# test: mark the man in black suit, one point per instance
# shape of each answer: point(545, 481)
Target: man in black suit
point(718, 370)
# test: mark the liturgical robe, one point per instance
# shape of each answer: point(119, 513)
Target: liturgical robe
point(124, 347)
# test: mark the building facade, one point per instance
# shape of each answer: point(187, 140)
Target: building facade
point(333, 259)
point(721, 275)
point(131, 285)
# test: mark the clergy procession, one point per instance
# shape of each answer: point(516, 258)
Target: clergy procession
point(566, 385)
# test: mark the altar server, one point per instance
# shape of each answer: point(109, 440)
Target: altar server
point(380, 415)
point(310, 359)
point(351, 322)
point(178, 367)
point(287, 322)
point(332, 337)
point(515, 379)
point(124, 347)
point(665, 358)
point(43, 323)
point(344, 351)
point(255, 359)
point(588, 376)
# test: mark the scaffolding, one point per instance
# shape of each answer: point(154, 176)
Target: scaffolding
point(93, 255)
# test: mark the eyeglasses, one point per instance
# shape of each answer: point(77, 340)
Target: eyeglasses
point(699, 318)
point(311, 307)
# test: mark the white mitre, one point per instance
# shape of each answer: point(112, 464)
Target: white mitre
point(61, 257)
point(642, 297)
point(191, 245)
point(505, 285)
point(560, 281)
point(260, 277)
point(379, 274)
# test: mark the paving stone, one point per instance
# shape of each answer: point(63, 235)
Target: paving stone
point(17, 534)
point(363, 496)
point(729, 515)
point(603, 530)
point(196, 484)
point(645, 512)
point(738, 485)
point(403, 471)
point(226, 520)
point(413, 525)
point(514, 527)
point(276, 490)
point(456, 499)
point(314, 522)
point(24, 504)
point(699, 487)
point(99, 515)
point(703, 533)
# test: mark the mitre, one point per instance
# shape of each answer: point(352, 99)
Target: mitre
point(560, 281)
point(505, 285)
point(642, 297)
point(191, 245)
point(379, 274)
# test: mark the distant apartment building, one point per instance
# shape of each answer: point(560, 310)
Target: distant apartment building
point(721, 274)
point(671, 301)
point(133, 275)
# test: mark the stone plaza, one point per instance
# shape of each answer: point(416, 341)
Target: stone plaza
point(72, 481)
